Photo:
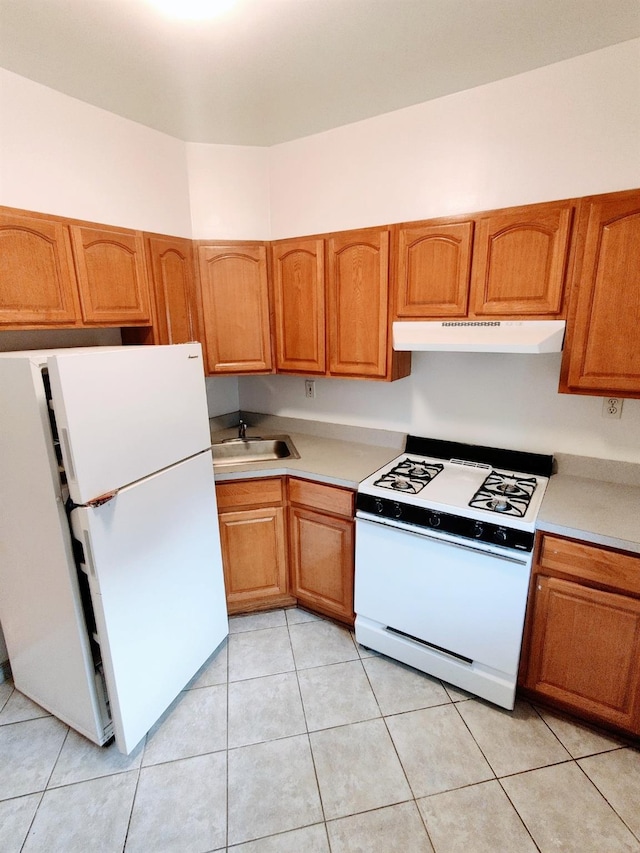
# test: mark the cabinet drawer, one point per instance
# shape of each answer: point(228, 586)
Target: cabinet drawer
point(331, 499)
point(591, 563)
point(261, 492)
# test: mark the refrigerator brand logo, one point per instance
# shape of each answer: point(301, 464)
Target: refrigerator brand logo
point(474, 323)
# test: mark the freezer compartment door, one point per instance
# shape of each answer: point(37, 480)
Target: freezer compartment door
point(123, 414)
point(155, 571)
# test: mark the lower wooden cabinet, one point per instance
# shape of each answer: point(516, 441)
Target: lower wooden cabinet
point(251, 515)
point(321, 539)
point(582, 638)
point(286, 543)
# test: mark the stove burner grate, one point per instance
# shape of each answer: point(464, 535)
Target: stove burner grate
point(410, 476)
point(505, 493)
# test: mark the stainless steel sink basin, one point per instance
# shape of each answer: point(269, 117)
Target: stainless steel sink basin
point(235, 451)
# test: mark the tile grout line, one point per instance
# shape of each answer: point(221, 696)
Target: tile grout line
point(611, 806)
point(308, 733)
point(497, 779)
point(384, 720)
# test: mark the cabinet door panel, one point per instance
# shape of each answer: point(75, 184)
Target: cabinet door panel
point(520, 261)
point(235, 307)
point(171, 266)
point(111, 275)
point(585, 649)
point(322, 562)
point(433, 269)
point(38, 285)
point(358, 303)
point(602, 354)
point(298, 284)
point(253, 555)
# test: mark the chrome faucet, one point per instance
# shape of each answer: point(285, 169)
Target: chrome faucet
point(242, 430)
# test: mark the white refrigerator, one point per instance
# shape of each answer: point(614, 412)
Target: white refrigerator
point(111, 585)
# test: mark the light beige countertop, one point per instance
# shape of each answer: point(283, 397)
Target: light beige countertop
point(329, 453)
point(594, 500)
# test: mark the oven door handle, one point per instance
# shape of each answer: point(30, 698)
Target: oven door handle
point(421, 534)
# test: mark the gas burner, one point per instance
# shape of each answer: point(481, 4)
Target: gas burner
point(415, 469)
point(499, 505)
point(400, 484)
point(409, 476)
point(505, 493)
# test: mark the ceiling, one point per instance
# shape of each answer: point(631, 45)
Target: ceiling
point(268, 71)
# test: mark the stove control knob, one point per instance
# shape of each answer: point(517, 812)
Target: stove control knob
point(478, 529)
point(397, 509)
point(500, 535)
point(379, 506)
point(434, 520)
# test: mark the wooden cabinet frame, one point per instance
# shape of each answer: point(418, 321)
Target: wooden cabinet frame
point(322, 547)
point(601, 353)
point(287, 540)
point(234, 283)
point(253, 538)
point(70, 273)
point(504, 264)
point(582, 632)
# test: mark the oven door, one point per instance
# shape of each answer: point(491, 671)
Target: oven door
point(452, 595)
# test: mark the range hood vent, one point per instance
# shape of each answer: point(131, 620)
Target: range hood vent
point(533, 336)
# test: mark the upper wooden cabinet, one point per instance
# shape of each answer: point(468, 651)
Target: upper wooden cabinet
point(433, 268)
point(601, 354)
point(358, 307)
point(520, 262)
point(504, 264)
point(112, 276)
point(37, 277)
point(234, 293)
point(299, 304)
point(63, 273)
point(170, 263)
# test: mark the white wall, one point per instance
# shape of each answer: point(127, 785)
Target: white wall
point(566, 130)
point(489, 398)
point(222, 395)
point(572, 128)
point(60, 155)
point(229, 186)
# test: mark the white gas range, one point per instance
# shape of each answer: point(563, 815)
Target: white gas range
point(444, 541)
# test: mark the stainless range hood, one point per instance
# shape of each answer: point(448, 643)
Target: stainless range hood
point(532, 336)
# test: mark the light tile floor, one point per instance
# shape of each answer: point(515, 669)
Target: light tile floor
point(292, 739)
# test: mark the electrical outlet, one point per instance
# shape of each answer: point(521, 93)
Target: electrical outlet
point(309, 388)
point(612, 407)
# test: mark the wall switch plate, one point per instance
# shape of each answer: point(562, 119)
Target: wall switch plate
point(309, 388)
point(612, 407)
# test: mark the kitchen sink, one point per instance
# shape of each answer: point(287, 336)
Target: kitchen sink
point(235, 451)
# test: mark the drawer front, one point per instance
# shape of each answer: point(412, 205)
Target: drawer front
point(331, 499)
point(261, 492)
point(591, 563)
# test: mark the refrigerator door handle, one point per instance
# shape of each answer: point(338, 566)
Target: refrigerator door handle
point(103, 499)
